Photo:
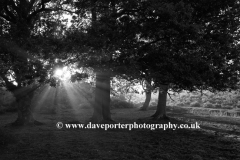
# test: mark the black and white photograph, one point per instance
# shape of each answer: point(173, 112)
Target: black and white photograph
point(119, 79)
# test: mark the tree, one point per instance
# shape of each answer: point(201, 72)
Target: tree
point(189, 45)
point(101, 40)
point(20, 34)
point(169, 40)
point(24, 73)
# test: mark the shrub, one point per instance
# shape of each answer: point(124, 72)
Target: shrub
point(116, 103)
point(195, 104)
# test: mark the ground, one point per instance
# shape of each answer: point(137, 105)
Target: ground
point(218, 138)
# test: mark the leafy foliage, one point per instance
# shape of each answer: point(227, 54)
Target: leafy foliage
point(177, 40)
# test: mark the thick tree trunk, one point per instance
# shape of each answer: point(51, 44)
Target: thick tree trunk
point(24, 111)
point(102, 98)
point(162, 101)
point(148, 93)
point(24, 97)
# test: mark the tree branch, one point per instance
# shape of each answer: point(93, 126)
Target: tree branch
point(170, 96)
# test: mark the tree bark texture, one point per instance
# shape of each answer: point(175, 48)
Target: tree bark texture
point(102, 98)
point(24, 97)
point(148, 93)
point(162, 101)
point(147, 101)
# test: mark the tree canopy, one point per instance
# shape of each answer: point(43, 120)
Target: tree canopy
point(184, 44)
point(179, 44)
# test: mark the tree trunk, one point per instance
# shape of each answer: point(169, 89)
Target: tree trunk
point(147, 101)
point(162, 101)
point(148, 93)
point(24, 111)
point(102, 98)
point(24, 97)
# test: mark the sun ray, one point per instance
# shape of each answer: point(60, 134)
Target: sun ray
point(41, 98)
point(76, 100)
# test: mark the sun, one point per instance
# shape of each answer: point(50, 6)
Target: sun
point(63, 74)
point(58, 72)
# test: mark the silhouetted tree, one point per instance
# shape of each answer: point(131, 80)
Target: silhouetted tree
point(189, 45)
point(23, 31)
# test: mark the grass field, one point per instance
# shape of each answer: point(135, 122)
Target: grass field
point(218, 138)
